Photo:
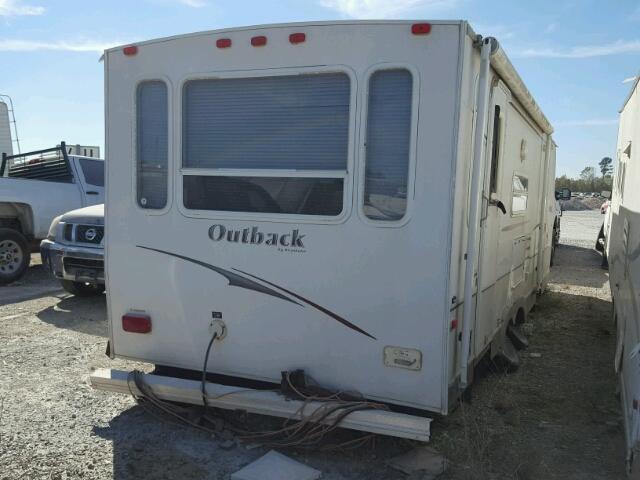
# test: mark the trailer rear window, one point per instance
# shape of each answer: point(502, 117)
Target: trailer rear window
point(302, 196)
point(275, 144)
point(388, 144)
point(152, 144)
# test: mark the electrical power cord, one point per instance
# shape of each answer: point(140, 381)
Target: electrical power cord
point(300, 431)
point(203, 386)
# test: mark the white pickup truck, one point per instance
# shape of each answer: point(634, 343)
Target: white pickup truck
point(35, 188)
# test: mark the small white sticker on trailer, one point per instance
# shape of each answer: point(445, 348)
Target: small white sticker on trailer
point(399, 357)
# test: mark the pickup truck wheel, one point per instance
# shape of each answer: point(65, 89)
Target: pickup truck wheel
point(81, 289)
point(14, 255)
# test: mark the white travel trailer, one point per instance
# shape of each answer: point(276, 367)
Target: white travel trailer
point(371, 202)
point(6, 143)
point(623, 249)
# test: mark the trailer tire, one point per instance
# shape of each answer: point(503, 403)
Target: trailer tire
point(517, 337)
point(600, 240)
point(507, 359)
point(81, 289)
point(15, 255)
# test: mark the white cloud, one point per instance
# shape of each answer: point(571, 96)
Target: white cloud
point(9, 8)
point(590, 122)
point(381, 8)
point(501, 32)
point(629, 80)
point(587, 51)
point(194, 3)
point(61, 45)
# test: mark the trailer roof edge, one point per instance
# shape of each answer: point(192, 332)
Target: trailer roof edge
point(503, 66)
point(630, 94)
point(499, 60)
point(319, 23)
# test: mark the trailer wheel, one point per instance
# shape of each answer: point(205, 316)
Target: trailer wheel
point(600, 240)
point(81, 289)
point(517, 336)
point(507, 359)
point(14, 255)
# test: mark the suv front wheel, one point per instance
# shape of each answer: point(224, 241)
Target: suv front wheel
point(81, 289)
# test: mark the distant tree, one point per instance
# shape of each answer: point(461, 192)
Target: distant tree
point(587, 182)
point(606, 166)
point(588, 174)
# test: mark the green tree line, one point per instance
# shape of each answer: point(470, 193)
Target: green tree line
point(589, 180)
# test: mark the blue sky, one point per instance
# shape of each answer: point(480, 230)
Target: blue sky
point(573, 55)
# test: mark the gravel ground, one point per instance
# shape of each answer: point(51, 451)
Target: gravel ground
point(576, 203)
point(580, 228)
point(557, 417)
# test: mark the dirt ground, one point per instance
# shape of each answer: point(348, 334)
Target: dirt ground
point(557, 417)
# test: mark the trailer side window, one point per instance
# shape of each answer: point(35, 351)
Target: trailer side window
point(519, 194)
point(622, 170)
point(495, 150)
point(275, 144)
point(388, 144)
point(152, 144)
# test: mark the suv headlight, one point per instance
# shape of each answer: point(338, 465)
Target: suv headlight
point(53, 228)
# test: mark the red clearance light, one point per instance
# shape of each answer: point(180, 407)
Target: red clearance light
point(259, 41)
point(297, 38)
point(136, 323)
point(223, 43)
point(130, 50)
point(421, 28)
point(454, 324)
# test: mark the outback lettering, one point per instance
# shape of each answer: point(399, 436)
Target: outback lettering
point(253, 236)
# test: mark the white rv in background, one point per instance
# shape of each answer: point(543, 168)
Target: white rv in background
point(371, 202)
point(6, 143)
point(623, 253)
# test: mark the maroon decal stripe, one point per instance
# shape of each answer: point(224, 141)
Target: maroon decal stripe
point(335, 316)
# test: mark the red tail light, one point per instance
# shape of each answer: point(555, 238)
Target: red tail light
point(136, 323)
point(421, 28)
point(454, 324)
point(259, 41)
point(130, 50)
point(297, 38)
point(223, 43)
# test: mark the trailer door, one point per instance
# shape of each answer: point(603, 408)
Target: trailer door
point(489, 301)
